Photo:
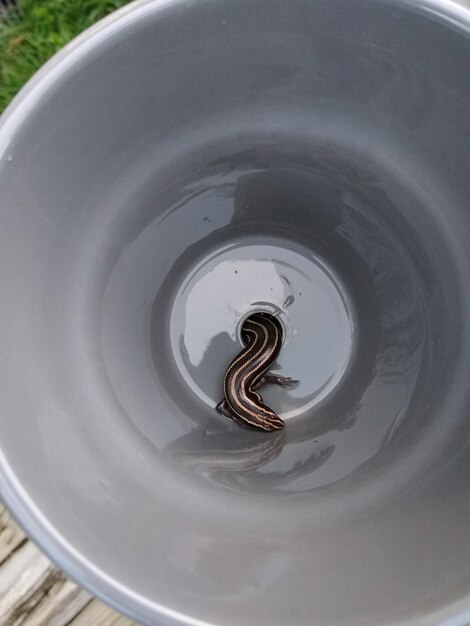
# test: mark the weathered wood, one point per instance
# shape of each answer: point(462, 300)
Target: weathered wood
point(98, 614)
point(62, 603)
point(33, 592)
point(11, 537)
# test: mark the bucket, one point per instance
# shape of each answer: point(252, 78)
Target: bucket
point(183, 165)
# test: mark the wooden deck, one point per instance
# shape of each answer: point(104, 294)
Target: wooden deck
point(33, 592)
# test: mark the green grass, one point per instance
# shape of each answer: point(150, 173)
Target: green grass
point(37, 29)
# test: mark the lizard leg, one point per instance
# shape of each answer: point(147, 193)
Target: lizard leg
point(224, 408)
point(274, 379)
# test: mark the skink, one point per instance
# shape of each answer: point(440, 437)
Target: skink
point(262, 334)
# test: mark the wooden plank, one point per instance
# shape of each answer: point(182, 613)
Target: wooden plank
point(98, 614)
point(62, 603)
point(34, 592)
point(11, 537)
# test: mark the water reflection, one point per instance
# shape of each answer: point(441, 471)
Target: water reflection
point(245, 281)
point(233, 456)
point(283, 279)
point(235, 217)
point(216, 447)
point(332, 441)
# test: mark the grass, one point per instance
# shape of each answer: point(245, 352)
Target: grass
point(36, 30)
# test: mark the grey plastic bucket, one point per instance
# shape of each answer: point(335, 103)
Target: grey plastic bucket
point(177, 167)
